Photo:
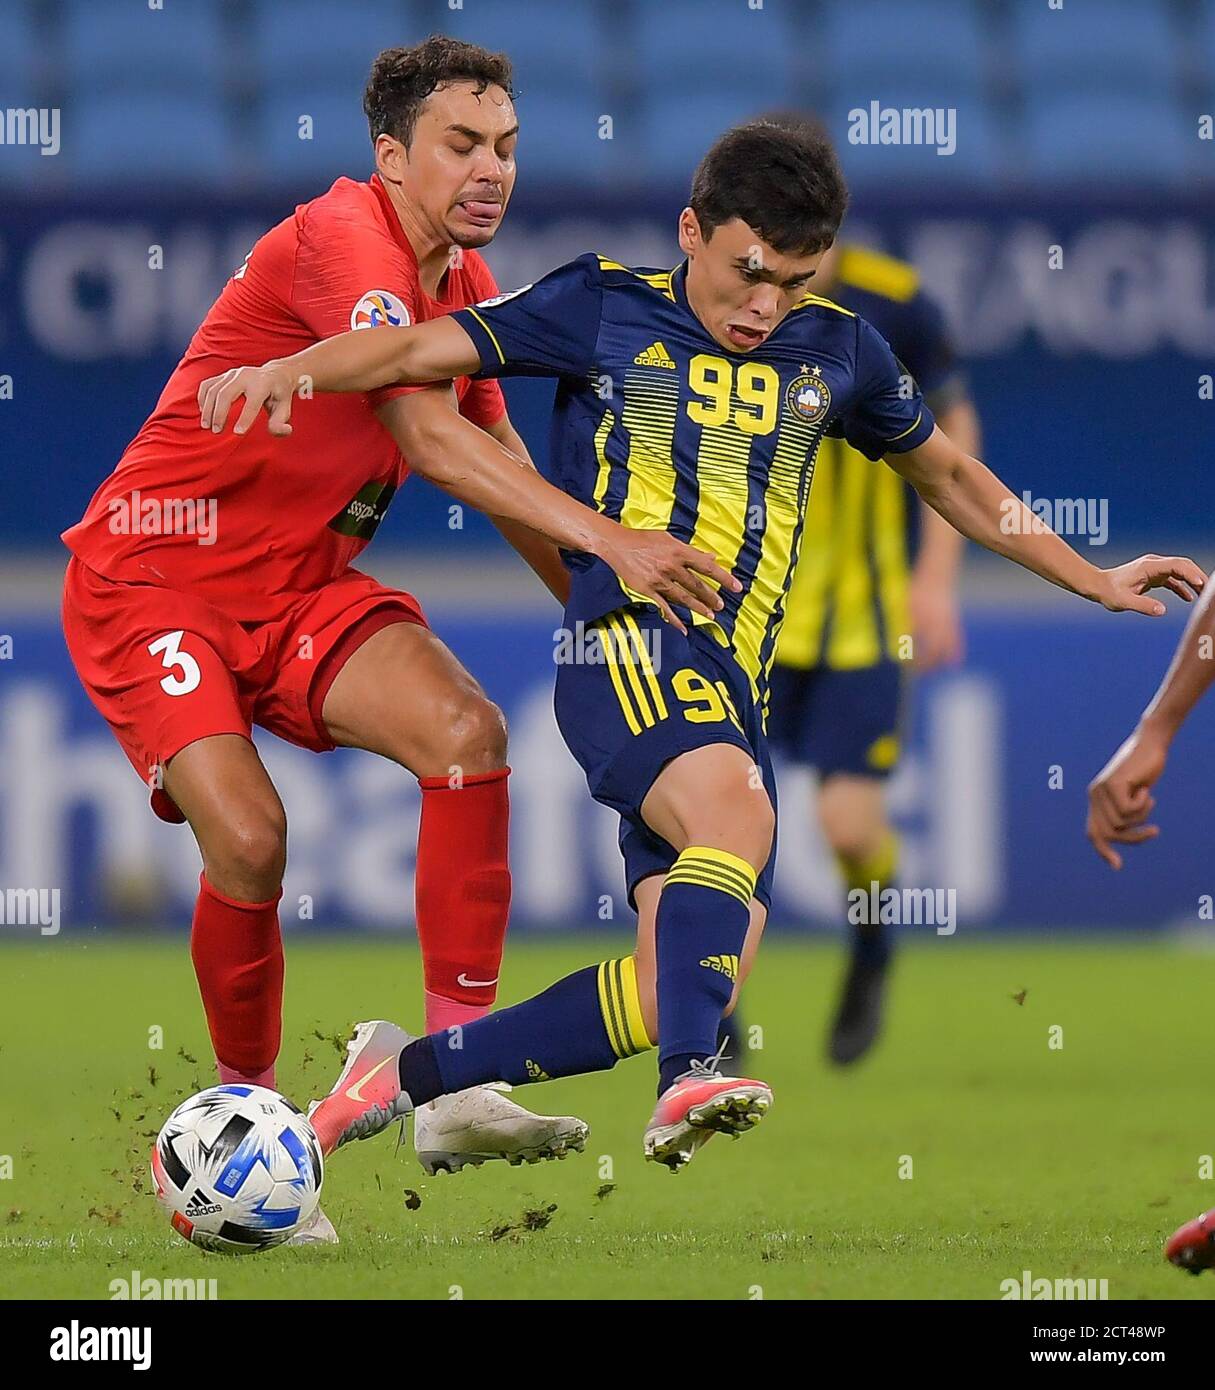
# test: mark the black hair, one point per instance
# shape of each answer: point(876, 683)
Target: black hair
point(402, 78)
point(780, 175)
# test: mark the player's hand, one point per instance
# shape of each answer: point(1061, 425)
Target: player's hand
point(1125, 588)
point(1119, 797)
point(662, 568)
point(268, 388)
point(935, 625)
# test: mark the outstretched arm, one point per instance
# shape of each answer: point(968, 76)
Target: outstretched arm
point(474, 468)
point(1119, 797)
point(974, 501)
point(360, 360)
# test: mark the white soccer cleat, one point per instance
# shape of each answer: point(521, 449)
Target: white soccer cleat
point(481, 1123)
point(317, 1230)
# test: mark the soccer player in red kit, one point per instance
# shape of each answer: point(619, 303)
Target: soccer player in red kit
point(211, 588)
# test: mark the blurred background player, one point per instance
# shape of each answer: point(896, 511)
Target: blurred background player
point(873, 596)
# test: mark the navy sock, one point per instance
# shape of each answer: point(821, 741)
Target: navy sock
point(732, 1042)
point(586, 1022)
point(703, 914)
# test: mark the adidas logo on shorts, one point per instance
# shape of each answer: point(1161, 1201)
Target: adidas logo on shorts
point(724, 965)
point(655, 355)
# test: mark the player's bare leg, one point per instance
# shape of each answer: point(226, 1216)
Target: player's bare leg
point(852, 813)
point(403, 695)
point(710, 806)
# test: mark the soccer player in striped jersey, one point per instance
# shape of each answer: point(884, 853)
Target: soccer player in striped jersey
point(873, 596)
point(691, 401)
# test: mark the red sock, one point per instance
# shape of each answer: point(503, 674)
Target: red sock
point(238, 958)
point(462, 894)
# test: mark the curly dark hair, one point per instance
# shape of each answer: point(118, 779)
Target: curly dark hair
point(402, 78)
point(780, 175)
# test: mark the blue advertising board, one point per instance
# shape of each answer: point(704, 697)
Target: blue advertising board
point(989, 798)
point(1088, 326)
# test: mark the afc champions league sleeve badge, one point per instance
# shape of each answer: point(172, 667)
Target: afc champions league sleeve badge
point(808, 396)
point(377, 308)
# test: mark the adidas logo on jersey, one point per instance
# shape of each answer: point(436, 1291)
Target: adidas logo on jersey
point(199, 1206)
point(536, 1072)
point(724, 965)
point(655, 355)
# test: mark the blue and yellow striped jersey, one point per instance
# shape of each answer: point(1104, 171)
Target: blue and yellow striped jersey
point(658, 426)
point(847, 604)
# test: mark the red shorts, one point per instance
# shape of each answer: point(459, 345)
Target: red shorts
point(165, 668)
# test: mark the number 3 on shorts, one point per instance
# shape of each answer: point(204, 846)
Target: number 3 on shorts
point(174, 657)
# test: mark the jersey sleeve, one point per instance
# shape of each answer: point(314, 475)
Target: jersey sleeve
point(926, 346)
point(483, 403)
point(348, 274)
point(550, 328)
point(887, 414)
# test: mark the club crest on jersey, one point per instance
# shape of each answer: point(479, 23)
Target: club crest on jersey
point(809, 397)
point(377, 308)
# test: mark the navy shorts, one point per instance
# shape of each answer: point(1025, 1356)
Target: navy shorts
point(838, 721)
point(633, 693)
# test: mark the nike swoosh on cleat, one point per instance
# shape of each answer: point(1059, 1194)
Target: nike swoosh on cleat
point(352, 1092)
point(462, 979)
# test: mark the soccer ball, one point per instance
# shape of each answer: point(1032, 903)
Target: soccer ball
point(238, 1169)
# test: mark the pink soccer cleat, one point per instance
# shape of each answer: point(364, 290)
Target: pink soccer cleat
point(699, 1105)
point(367, 1096)
point(1192, 1246)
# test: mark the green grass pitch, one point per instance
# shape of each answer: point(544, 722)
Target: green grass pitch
point(1071, 1162)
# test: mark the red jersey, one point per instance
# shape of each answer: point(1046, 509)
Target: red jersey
point(250, 522)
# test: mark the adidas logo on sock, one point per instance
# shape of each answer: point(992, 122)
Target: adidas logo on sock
point(724, 965)
point(655, 355)
point(198, 1205)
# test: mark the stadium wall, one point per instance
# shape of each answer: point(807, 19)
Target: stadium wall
point(990, 797)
